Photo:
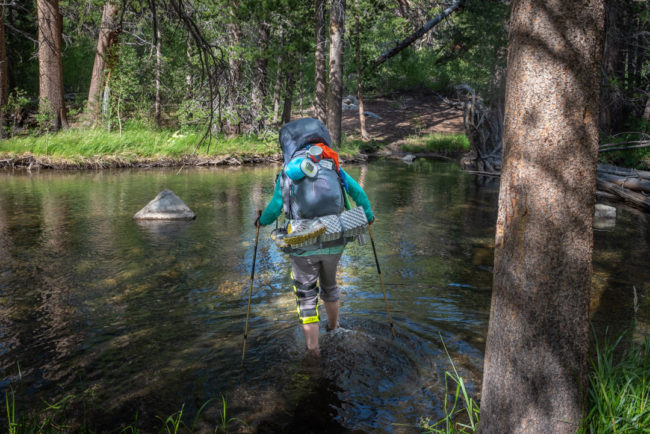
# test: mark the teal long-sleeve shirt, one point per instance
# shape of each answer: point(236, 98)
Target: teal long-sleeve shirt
point(274, 208)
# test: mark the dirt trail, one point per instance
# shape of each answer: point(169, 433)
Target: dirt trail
point(405, 116)
point(402, 116)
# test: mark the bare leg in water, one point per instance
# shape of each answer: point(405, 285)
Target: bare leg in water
point(311, 330)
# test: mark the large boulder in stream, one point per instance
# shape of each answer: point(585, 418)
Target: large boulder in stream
point(165, 206)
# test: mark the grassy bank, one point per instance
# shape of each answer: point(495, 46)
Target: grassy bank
point(437, 143)
point(618, 398)
point(136, 144)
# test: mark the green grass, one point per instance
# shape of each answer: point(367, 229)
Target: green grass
point(619, 390)
point(135, 143)
point(138, 142)
point(54, 419)
point(437, 142)
point(618, 395)
point(461, 411)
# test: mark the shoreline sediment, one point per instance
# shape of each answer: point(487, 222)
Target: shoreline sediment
point(29, 161)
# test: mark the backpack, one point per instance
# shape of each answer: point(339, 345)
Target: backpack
point(309, 197)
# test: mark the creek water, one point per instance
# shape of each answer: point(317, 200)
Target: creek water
point(133, 322)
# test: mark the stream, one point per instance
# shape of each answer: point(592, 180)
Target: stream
point(132, 322)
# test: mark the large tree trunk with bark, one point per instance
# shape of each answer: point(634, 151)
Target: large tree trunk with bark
point(107, 39)
point(50, 68)
point(4, 88)
point(335, 94)
point(536, 351)
point(320, 74)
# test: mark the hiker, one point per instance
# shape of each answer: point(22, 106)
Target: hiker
point(311, 185)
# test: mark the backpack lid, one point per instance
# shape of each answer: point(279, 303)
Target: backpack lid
point(296, 135)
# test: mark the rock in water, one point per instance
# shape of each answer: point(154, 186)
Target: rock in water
point(604, 217)
point(165, 206)
point(408, 158)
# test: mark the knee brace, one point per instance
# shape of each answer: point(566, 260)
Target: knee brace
point(306, 301)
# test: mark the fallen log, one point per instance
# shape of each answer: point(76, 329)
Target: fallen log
point(635, 198)
point(622, 171)
point(605, 195)
point(632, 183)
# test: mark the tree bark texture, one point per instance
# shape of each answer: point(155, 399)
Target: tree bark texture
point(4, 87)
point(50, 68)
point(108, 36)
point(335, 94)
point(288, 97)
point(357, 30)
point(258, 90)
point(320, 80)
point(157, 42)
point(277, 90)
point(536, 350)
point(235, 96)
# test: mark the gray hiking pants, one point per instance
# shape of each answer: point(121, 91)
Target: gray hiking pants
point(307, 273)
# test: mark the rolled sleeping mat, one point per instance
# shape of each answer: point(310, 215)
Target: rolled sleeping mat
point(349, 224)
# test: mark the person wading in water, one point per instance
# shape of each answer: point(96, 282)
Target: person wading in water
point(313, 190)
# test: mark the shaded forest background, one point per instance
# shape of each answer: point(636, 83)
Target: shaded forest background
point(244, 66)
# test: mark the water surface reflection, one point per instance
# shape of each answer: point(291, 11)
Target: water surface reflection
point(139, 318)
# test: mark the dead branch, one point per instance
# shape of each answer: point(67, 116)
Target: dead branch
point(417, 34)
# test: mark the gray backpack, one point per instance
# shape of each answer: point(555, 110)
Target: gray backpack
point(309, 197)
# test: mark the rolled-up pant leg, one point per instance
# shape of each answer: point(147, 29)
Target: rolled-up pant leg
point(306, 271)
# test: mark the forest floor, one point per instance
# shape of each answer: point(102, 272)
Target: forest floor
point(403, 117)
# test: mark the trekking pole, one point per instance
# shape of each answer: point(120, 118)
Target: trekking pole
point(374, 251)
point(250, 291)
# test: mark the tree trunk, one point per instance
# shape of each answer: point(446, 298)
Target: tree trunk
point(362, 115)
point(235, 95)
point(157, 42)
point(258, 92)
point(189, 78)
point(646, 113)
point(300, 85)
point(108, 35)
point(50, 68)
point(4, 89)
point(277, 91)
point(320, 79)
point(288, 98)
point(404, 9)
point(536, 351)
point(335, 94)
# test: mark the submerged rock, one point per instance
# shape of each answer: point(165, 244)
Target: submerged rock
point(165, 206)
